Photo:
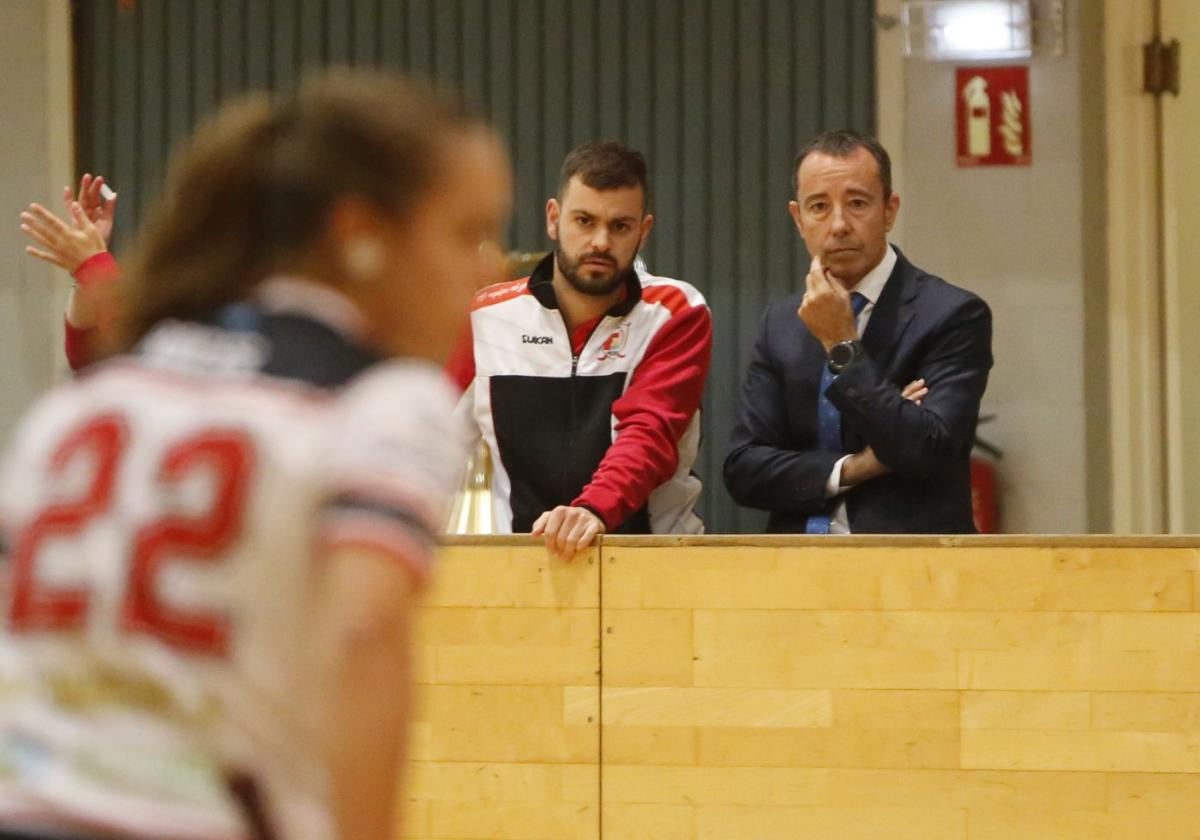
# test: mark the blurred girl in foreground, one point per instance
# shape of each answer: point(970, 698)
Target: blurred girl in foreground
point(215, 537)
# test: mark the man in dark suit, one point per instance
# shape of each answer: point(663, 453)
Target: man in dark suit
point(859, 406)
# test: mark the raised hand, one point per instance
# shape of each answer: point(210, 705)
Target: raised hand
point(825, 308)
point(101, 211)
point(65, 245)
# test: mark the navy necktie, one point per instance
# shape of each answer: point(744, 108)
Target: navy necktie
point(829, 420)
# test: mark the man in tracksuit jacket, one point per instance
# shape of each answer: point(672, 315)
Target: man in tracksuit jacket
point(585, 378)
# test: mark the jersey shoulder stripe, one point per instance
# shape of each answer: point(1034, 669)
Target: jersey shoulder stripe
point(675, 295)
point(499, 293)
point(359, 506)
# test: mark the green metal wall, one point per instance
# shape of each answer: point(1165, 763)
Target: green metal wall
point(717, 93)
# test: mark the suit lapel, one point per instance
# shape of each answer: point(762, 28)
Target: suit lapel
point(892, 314)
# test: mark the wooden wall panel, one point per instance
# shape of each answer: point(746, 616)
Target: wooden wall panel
point(960, 689)
point(505, 742)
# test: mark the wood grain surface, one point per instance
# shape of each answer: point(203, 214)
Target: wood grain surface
point(849, 688)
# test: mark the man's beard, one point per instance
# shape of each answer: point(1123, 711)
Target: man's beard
point(595, 285)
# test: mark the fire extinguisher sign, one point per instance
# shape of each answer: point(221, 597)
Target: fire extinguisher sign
point(992, 104)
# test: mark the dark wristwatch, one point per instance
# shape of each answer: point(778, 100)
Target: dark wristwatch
point(843, 353)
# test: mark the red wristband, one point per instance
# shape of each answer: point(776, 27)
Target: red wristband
point(98, 268)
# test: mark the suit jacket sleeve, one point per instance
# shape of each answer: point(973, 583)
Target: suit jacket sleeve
point(765, 467)
point(916, 440)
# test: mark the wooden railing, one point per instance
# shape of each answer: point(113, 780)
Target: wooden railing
point(853, 687)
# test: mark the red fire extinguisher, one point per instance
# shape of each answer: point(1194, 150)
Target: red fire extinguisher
point(985, 505)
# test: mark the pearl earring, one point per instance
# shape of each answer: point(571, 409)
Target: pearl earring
point(363, 258)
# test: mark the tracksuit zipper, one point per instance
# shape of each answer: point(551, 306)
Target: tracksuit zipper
point(571, 419)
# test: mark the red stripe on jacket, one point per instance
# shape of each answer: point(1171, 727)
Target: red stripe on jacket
point(654, 412)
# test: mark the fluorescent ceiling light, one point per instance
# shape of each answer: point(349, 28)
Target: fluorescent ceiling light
point(967, 29)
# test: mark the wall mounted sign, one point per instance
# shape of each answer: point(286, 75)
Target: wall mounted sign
point(992, 106)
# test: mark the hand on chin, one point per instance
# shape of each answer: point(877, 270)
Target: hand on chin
point(840, 264)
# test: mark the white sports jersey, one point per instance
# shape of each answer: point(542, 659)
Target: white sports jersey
point(161, 515)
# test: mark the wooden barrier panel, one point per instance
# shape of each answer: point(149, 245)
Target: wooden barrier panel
point(505, 742)
point(924, 690)
point(831, 688)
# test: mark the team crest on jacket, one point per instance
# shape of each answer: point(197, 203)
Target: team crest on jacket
point(614, 345)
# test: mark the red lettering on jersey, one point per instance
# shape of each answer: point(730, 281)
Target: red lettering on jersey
point(229, 456)
point(41, 607)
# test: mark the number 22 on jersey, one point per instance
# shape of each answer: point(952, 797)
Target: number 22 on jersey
point(226, 454)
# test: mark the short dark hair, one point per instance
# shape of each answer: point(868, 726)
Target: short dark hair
point(842, 143)
point(605, 165)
